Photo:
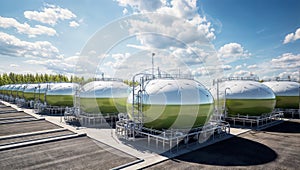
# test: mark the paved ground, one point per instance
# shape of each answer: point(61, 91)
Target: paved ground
point(277, 147)
point(15, 114)
point(25, 127)
point(77, 153)
point(80, 152)
point(34, 137)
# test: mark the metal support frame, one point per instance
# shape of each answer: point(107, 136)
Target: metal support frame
point(291, 113)
point(173, 139)
point(262, 121)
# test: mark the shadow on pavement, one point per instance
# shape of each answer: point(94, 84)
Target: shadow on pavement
point(235, 151)
point(291, 126)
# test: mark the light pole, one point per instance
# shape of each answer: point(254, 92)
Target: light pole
point(153, 54)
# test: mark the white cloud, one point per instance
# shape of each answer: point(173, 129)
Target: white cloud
point(60, 66)
point(26, 28)
point(12, 46)
point(243, 73)
point(174, 20)
point(201, 71)
point(238, 67)
point(227, 67)
point(233, 50)
point(118, 60)
point(125, 11)
point(73, 24)
point(292, 37)
point(141, 5)
point(252, 66)
point(13, 65)
point(191, 56)
point(50, 14)
point(288, 74)
point(286, 61)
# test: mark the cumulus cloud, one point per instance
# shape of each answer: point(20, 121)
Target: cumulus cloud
point(233, 50)
point(177, 20)
point(50, 14)
point(252, 66)
point(200, 71)
point(125, 11)
point(118, 60)
point(243, 73)
point(286, 61)
point(12, 46)
point(238, 67)
point(141, 5)
point(13, 65)
point(294, 75)
point(26, 28)
point(227, 67)
point(291, 37)
point(73, 24)
point(60, 66)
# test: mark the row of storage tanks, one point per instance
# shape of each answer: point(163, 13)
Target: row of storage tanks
point(165, 102)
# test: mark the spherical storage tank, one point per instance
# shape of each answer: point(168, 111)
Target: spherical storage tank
point(15, 90)
point(61, 94)
point(21, 90)
point(106, 97)
point(41, 90)
point(1, 89)
point(4, 89)
point(246, 97)
point(29, 92)
point(8, 89)
point(287, 93)
point(172, 103)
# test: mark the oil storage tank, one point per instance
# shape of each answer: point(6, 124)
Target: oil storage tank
point(166, 103)
point(29, 92)
point(287, 93)
point(5, 91)
point(20, 91)
point(41, 90)
point(2, 91)
point(61, 94)
point(245, 97)
point(15, 90)
point(106, 97)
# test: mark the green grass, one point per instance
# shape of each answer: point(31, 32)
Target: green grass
point(175, 116)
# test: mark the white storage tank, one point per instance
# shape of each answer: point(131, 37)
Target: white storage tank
point(245, 97)
point(107, 97)
point(172, 103)
point(287, 93)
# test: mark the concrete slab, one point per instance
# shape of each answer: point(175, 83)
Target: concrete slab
point(24, 127)
point(76, 153)
point(9, 140)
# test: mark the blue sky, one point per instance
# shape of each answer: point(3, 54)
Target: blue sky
point(241, 38)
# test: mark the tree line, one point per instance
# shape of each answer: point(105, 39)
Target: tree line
point(13, 78)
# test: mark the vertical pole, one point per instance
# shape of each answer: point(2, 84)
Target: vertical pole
point(153, 64)
point(218, 100)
